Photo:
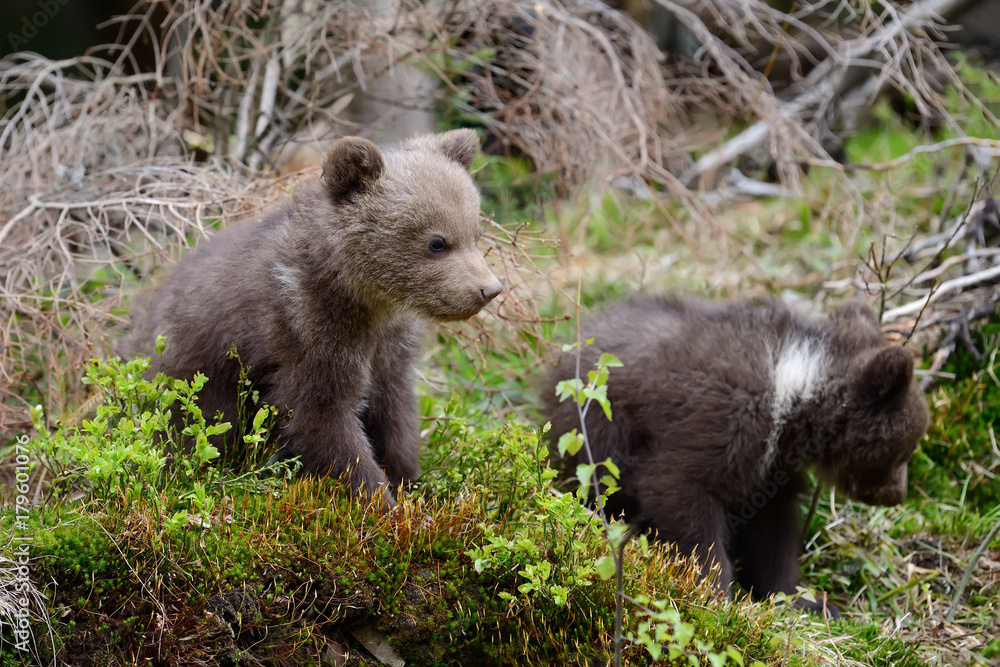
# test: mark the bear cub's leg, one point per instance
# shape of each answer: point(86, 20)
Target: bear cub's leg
point(325, 428)
point(765, 550)
point(700, 530)
point(390, 415)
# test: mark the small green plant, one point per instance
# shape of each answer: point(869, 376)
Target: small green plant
point(662, 631)
point(253, 443)
point(150, 434)
point(553, 519)
point(570, 443)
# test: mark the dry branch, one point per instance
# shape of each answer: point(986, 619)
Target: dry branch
point(883, 54)
point(943, 289)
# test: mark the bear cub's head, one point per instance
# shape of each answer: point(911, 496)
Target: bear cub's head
point(883, 413)
point(408, 222)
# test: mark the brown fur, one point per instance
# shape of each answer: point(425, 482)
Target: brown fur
point(698, 401)
point(323, 300)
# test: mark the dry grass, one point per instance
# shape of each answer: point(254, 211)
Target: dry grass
point(20, 596)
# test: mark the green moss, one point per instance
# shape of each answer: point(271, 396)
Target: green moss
point(875, 649)
point(953, 460)
point(276, 572)
point(78, 555)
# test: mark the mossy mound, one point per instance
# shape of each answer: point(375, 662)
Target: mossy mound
point(286, 575)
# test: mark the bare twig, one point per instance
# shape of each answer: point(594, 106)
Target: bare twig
point(843, 69)
point(947, 287)
point(991, 146)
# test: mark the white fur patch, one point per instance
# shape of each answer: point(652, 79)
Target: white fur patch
point(799, 368)
point(289, 279)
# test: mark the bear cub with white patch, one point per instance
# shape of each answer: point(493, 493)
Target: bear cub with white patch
point(720, 409)
point(324, 299)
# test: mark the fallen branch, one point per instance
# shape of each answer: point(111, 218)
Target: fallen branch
point(992, 146)
point(947, 287)
point(831, 80)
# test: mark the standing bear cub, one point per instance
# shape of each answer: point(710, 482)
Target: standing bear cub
point(719, 410)
point(323, 301)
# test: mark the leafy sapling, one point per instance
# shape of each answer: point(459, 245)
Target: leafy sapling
point(571, 442)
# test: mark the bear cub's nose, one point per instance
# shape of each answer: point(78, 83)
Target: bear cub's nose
point(490, 292)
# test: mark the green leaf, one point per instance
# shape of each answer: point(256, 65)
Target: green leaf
point(570, 443)
point(259, 418)
point(606, 567)
point(616, 532)
point(609, 484)
point(612, 468)
point(608, 360)
point(683, 633)
point(597, 378)
point(218, 429)
point(568, 388)
point(207, 452)
point(600, 394)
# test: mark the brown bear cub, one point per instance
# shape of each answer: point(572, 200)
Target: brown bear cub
point(324, 298)
point(719, 410)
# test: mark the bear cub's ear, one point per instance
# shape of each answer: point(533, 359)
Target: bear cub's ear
point(458, 145)
point(886, 376)
point(351, 165)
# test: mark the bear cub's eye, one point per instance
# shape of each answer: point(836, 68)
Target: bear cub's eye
point(437, 244)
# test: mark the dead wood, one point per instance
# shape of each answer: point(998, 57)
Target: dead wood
point(900, 49)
